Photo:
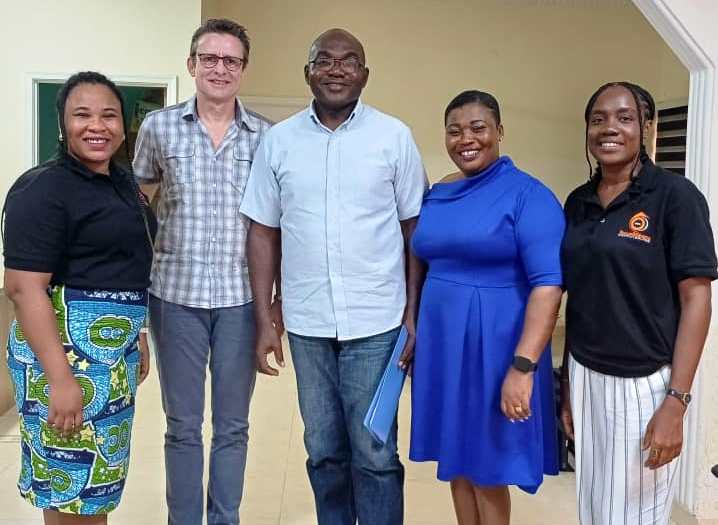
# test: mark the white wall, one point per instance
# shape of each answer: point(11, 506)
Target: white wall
point(132, 37)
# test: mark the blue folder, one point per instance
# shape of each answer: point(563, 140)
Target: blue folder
point(382, 411)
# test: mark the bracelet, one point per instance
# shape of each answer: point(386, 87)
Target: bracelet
point(144, 330)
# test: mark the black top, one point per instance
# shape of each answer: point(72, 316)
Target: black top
point(622, 266)
point(84, 228)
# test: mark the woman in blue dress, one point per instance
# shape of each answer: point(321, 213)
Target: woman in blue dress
point(482, 397)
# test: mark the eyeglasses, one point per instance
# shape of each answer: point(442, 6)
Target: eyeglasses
point(210, 61)
point(347, 65)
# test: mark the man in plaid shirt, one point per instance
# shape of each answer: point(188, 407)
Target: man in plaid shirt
point(200, 152)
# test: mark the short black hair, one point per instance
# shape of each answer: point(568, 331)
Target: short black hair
point(84, 77)
point(474, 96)
point(222, 26)
point(643, 110)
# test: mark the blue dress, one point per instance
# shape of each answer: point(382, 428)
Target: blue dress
point(487, 240)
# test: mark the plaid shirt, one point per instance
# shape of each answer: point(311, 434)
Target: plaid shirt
point(200, 250)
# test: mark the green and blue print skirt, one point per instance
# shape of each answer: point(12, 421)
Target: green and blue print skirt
point(84, 473)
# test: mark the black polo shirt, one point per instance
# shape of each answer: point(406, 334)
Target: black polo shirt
point(84, 228)
point(622, 266)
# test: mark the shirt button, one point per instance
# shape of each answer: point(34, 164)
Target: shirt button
point(214, 212)
point(603, 220)
point(214, 184)
point(214, 239)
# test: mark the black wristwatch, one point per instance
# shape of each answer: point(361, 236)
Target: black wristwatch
point(683, 397)
point(524, 364)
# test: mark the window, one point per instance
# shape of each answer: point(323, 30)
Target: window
point(671, 142)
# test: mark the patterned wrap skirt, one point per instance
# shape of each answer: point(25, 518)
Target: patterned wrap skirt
point(84, 473)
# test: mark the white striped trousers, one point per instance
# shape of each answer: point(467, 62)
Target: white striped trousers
point(610, 416)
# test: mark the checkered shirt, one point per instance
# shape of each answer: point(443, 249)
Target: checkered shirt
point(200, 250)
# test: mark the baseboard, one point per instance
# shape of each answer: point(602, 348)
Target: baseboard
point(680, 516)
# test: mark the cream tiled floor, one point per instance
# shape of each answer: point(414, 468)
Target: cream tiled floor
point(277, 491)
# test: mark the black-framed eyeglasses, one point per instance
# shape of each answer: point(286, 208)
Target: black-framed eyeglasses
point(210, 61)
point(347, 65)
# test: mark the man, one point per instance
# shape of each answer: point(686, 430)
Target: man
point(200, 153)
point(339, 186)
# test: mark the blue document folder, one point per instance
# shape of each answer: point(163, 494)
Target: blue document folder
point(382, 411)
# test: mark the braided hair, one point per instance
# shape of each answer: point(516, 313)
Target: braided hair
point(648, 105)
point(646, 109)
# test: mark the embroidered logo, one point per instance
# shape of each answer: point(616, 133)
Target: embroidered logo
point(636, 226)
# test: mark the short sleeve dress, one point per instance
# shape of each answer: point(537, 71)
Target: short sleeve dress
point(488, 240)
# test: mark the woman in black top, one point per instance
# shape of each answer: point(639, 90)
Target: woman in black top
point(78, 251)
point(638, 258)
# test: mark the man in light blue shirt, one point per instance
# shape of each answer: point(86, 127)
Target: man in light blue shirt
point(334, 192)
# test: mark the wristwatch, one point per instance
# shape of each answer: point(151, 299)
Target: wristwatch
point(683, 397)
point(524, 364)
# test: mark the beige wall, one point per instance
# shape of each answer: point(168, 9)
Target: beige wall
point(542, 63)
point(213, 8)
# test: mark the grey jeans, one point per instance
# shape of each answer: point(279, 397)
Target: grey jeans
point(186, 340)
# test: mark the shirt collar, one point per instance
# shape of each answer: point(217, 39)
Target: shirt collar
point(77, 167)
point(646, 178)
point(241, 116)
point(353, 117)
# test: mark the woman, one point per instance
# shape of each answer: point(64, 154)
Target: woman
point(638, 259)
point(77, 260)
point(482, 397)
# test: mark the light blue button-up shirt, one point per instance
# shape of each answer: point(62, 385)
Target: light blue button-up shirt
point(338, 197)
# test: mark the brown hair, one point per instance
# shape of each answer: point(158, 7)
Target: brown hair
point(221, 26)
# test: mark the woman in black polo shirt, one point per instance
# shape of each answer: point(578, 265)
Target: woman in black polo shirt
point(638, 258)
point(78, 251)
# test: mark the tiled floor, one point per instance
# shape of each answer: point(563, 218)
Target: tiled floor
point(276, 488)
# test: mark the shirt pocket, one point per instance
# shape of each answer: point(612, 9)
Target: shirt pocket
point(241, 166)
point(180, 162)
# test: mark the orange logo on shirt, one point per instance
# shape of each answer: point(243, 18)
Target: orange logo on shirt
point(639, 222)
point(636, 225)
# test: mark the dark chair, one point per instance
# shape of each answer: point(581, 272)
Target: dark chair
point(566, 451)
